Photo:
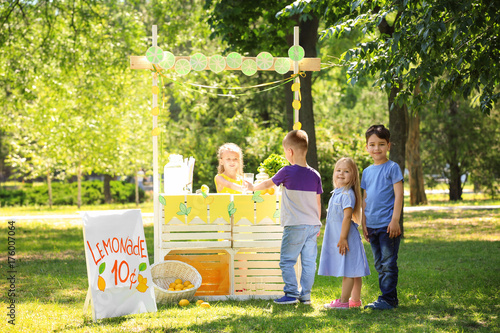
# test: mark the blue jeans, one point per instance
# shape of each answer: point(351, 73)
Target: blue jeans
point(385, 255)
point(299, 239)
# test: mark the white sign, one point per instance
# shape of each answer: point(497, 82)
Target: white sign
point(119, 275)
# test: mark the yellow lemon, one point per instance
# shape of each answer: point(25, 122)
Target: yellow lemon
point(172, 285)
point(191, 286)
point(205, 305)
point(179, 287)
point(171, 289)
point(183, 302)
point(178, 281)
point(187, 283)
point(200, 302)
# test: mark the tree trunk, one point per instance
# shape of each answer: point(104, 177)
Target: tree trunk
point(455, 184)
point(398, 127)
point(416, 175)
point(79, 180)
point(107, 189)
point(49, 187)
point(136, 190)
point(308, 38)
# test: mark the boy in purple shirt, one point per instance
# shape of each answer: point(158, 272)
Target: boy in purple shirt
point(300, 217)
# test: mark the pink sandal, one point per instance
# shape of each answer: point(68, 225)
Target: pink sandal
point(337, 304)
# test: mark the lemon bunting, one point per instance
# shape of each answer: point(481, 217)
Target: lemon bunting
point(297, 126)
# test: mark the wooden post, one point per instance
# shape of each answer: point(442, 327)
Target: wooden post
point(296, 71)
point(156, 174)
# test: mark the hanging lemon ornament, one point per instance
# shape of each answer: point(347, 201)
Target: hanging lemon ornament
point(296, 86)
point(296, 104)
point(233, 60)
point(249, 67)
point(168, 60)
point(297, 126)
point(198, 62)
point(282, 65)
point(155, 131)
point(264, 60)
point(155, 111)
point(154, 54)
point(155, 90)
point(217, 63)
point(182, 66)
point(296, 53)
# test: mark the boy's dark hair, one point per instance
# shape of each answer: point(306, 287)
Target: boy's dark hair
point(296, 139)
point(380, 131)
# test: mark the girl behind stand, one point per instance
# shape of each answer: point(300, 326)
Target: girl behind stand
point(229, 178)
point(342, 253)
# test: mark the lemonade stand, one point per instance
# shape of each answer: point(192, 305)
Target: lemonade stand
point(233, 241)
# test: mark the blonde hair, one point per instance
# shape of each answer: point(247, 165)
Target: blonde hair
point(353, 183)
point(296, 139)
point(229, 147)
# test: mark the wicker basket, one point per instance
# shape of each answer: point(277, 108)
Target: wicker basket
point(168, 271)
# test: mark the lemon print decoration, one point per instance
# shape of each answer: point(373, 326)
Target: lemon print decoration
point(282, 65)
point(154, 54)
point(217, 63)
point(296, 104)
point(142, 286)
point(198, 62)
point(101, 283)
point(233, 60)
point(296, 53)
point(168, 60)
point(249, 67)
point(264, 60)
point(182, 66)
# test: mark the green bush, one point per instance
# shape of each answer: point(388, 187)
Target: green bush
point(67, 194)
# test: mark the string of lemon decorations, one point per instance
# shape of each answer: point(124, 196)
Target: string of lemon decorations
point(165, 60)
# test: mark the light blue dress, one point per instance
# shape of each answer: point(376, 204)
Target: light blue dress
point(332, 263)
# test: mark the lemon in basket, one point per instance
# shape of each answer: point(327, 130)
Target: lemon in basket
point(186, 283)
point(178, 281)
point(183, 302)
point(172, 285)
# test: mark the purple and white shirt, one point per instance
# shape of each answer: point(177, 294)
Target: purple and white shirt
point(299, 203)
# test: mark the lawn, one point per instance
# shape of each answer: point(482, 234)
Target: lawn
point(449, 282)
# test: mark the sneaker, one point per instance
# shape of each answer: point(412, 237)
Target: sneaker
point(353, 304)
point(337, 304)
point(286, 300)
point(305, 301)
point(379, 305)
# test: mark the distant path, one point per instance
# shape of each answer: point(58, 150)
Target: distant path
point(148, 217)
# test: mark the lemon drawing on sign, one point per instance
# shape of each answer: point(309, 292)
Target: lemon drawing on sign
point(198, 62)
point(168, 60)
point(154, 54)
point(101, 283)
point(282, 65)
point(264, 60)
point(183, 302)
point(217, 63)
point(142, 286)
point(182, 66)
point(249, 67)
point(296, 53)
point(233, 60)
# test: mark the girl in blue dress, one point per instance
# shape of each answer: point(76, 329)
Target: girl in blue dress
point(342, 253)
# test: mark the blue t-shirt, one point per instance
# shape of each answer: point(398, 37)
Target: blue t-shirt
point(378, 182)
point(299, 204)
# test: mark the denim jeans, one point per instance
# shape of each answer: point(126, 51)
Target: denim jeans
point(385, 255)
point(299, 239)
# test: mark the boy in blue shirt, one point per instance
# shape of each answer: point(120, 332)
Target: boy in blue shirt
point(300, 217)
point(382, 183)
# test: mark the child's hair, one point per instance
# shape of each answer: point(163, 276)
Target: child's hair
point(296, 139)
point(380, 131)
point(232, 148)
point(354, 184)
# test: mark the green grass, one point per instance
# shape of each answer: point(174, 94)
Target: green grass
point(449, 282)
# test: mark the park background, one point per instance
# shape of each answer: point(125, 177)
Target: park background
point(75, 121)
